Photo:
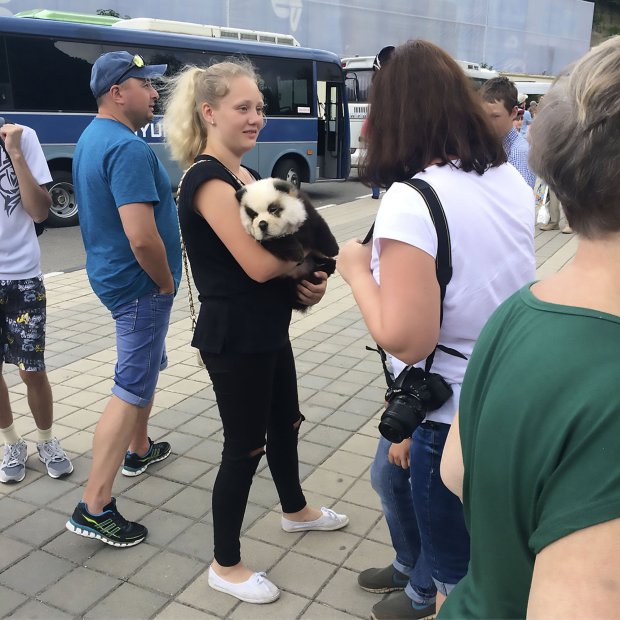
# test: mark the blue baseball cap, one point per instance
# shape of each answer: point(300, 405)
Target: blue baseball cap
point(116, 67)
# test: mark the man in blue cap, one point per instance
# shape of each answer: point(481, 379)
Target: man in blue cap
point(133, 260)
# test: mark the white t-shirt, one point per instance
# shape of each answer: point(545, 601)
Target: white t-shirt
point(491, 225)
point(19, 249)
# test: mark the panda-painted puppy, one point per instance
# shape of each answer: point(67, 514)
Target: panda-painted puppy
point(285, 223)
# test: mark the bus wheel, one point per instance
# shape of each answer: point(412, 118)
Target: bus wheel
point(289, 170)
point(63, 211)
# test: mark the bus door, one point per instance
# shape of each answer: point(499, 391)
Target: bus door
point(333, 156)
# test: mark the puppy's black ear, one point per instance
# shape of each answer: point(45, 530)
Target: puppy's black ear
point(240, 193)
point(284, 186)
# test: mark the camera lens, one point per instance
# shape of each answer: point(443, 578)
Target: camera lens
point(401, 417)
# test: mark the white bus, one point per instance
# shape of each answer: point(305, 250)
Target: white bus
point(358, 74)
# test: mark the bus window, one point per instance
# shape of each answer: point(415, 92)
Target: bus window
point(287, 86)
point(6, 96)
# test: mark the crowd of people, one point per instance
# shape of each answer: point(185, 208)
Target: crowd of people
point(497, 465)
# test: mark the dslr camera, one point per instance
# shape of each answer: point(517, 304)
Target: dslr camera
point(412, 395)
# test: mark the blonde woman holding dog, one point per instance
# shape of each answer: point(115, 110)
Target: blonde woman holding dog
point(213, 117)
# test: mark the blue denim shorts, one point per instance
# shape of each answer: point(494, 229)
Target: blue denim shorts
point(141, 327)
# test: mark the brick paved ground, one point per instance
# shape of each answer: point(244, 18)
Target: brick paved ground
point(46, 572)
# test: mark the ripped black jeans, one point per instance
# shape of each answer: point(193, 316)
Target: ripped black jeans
point(257, 399)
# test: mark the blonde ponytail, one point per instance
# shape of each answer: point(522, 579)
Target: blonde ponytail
point(184, 94)
point(184, 130)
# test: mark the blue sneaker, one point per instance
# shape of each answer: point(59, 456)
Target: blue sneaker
point(135, 464)
point(109, 527)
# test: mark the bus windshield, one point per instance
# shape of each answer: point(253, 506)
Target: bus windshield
point(306, 138)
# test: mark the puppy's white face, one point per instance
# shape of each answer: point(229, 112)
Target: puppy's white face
point(270, 208)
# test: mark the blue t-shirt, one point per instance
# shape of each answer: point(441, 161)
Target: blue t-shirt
point(113, 167)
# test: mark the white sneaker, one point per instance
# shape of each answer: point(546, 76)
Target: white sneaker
point(257, 589)
point(55, 458)
point(13, 468)
point(329, 520)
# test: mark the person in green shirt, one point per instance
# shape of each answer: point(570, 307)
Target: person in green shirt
point(535, 450)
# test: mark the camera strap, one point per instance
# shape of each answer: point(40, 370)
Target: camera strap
point(443, 265)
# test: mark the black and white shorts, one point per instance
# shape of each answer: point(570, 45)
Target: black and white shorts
point(22, 323)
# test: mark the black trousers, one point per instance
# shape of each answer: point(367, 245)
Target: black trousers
point(257, 399)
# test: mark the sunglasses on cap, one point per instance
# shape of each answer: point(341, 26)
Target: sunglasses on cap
point(136, 61)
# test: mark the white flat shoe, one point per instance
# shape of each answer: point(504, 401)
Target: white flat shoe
point(257, 589)
point(329, 520)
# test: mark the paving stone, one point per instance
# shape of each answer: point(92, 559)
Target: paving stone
point(370, 554)
point(34, 610)
point(128, 601)
point(331, 547)
point(199, 594)
point(202, 426)
point(318, 611)
point(35, 572)
point(327, 436)
point(348, 463)
point(315, 413)
point(190, 502)
point(253, 512)
point(108, 560)
point(364, 407)
point(12, 551)
point(9, 600)
point(361, 519)
point(206, 481)
point(79, 590)
point(346, 420)
point(361, 493)
point(328, 399)
point(167, 572)
point(258, 555)
point(263, 492)
point(362, 445)
point(312, 453)
point(196, 541)
point(380, 532)
point(329, 483)
point(43, 491)
point(164, 526)
point(267, 529)
point(287, 606)
point(172, 419)
point(175, 611)
point(207, 450)
point(313, 382)
point(74, 548)
point(38, 528)
point(154, 490)
point(13, 510)
point(343, 593)
point(300, 574)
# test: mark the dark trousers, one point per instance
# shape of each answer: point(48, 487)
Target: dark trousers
point(257, 399)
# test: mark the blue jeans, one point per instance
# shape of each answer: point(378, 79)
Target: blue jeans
point(425, 520)
point(141, 328)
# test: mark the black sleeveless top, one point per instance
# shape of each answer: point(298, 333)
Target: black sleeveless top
point(237, 314)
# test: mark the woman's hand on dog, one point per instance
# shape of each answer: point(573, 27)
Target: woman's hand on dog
point(353, 260)
point(310, 294)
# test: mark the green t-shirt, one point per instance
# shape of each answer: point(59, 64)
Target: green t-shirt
point(540, 431)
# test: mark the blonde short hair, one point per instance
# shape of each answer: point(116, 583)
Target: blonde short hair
point(575, 141)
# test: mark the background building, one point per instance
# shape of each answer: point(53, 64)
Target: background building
point(533, 36)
